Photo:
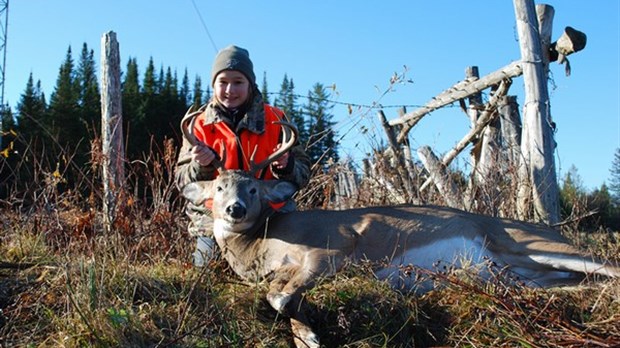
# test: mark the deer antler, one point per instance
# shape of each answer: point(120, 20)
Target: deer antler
point(187, 127)
point(290, 134)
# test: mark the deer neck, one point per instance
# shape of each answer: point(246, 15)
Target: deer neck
point(244, 249)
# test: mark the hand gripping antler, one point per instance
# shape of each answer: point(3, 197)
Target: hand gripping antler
point(290, 134)
point(187, 127)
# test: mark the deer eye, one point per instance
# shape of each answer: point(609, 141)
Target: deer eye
point(253, 191)
point(219, 189)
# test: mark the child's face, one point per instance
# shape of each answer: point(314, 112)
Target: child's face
point(231, 88)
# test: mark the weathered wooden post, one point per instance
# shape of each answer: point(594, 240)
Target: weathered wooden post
point(510, 120)
point(537, 176)
point(474, 108)
point(111, 127)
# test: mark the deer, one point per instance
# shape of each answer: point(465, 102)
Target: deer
point(292, 250)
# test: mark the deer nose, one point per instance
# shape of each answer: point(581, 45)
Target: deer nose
point(235, 210)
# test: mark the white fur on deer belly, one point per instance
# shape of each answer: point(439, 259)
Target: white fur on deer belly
point(456, 251)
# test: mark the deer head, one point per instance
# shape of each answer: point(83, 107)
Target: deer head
point(238, 198)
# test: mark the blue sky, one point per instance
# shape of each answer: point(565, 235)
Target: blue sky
point(355, 46)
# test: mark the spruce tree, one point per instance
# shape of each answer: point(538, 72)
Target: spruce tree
point(89, 96)
point(8, 149)
point(197, 100)
point(8, 122)
point(572, 193)
point(600, 201)
point(322, 145)
point(65, 123)
point(171, 108)
point(131, 99)
point(31, 111)
point(614, 180)
point(264, 91)
point(287, 101)
point(149, 83)
point(148, 114)
point(7, 132)
point(184, 92)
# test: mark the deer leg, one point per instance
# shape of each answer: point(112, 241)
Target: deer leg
point(292, 280)
point(278, 299)
point(303, 336)
point(289, 303)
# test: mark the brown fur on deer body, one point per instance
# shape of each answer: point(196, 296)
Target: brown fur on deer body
point(293, 249)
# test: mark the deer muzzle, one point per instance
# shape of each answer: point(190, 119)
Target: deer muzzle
point(236, 211)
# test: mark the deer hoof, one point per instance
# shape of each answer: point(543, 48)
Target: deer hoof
point(278, 301)
point(310, 340)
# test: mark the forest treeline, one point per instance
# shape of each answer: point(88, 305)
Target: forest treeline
point(54, 140)
point(58, 135)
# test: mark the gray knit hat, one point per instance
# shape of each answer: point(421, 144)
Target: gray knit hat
point(233, 58)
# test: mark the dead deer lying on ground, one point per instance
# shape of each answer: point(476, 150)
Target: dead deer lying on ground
point(293, 249)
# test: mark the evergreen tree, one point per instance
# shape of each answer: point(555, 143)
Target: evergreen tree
point(171, 108)
point(321, 144)
point(66, 125)
point(600, 201)
point(8, 161)
point(614, 180)
point(148, 113)
point(31, 111)
point(132, 100)
point(287, 101)
point(572, 194)
point(264, 91)
point(8, 122)
point(160, 81)
point(149, 85)
point(89, 96)
point(197, 100)
point(184, 92)
point(7, 132)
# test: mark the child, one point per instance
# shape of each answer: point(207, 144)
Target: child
point(233, 125)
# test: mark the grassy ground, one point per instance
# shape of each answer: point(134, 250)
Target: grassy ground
point(63, 284)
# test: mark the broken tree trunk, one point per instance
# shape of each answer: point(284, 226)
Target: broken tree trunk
point(111, 127)
point(537, 177)
point(438, 173)
point(485, 117)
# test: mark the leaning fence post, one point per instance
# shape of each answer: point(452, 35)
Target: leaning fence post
point(111, 127)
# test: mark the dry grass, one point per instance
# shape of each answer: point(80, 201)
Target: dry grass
point(64, 283)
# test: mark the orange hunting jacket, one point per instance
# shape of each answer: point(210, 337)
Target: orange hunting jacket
point(237, 150)
point(256, 134)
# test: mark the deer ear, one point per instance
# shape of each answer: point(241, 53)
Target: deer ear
point(279, 190)
point(197, 192)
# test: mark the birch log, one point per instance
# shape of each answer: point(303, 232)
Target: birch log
point(537, 177)
point(112, 126)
